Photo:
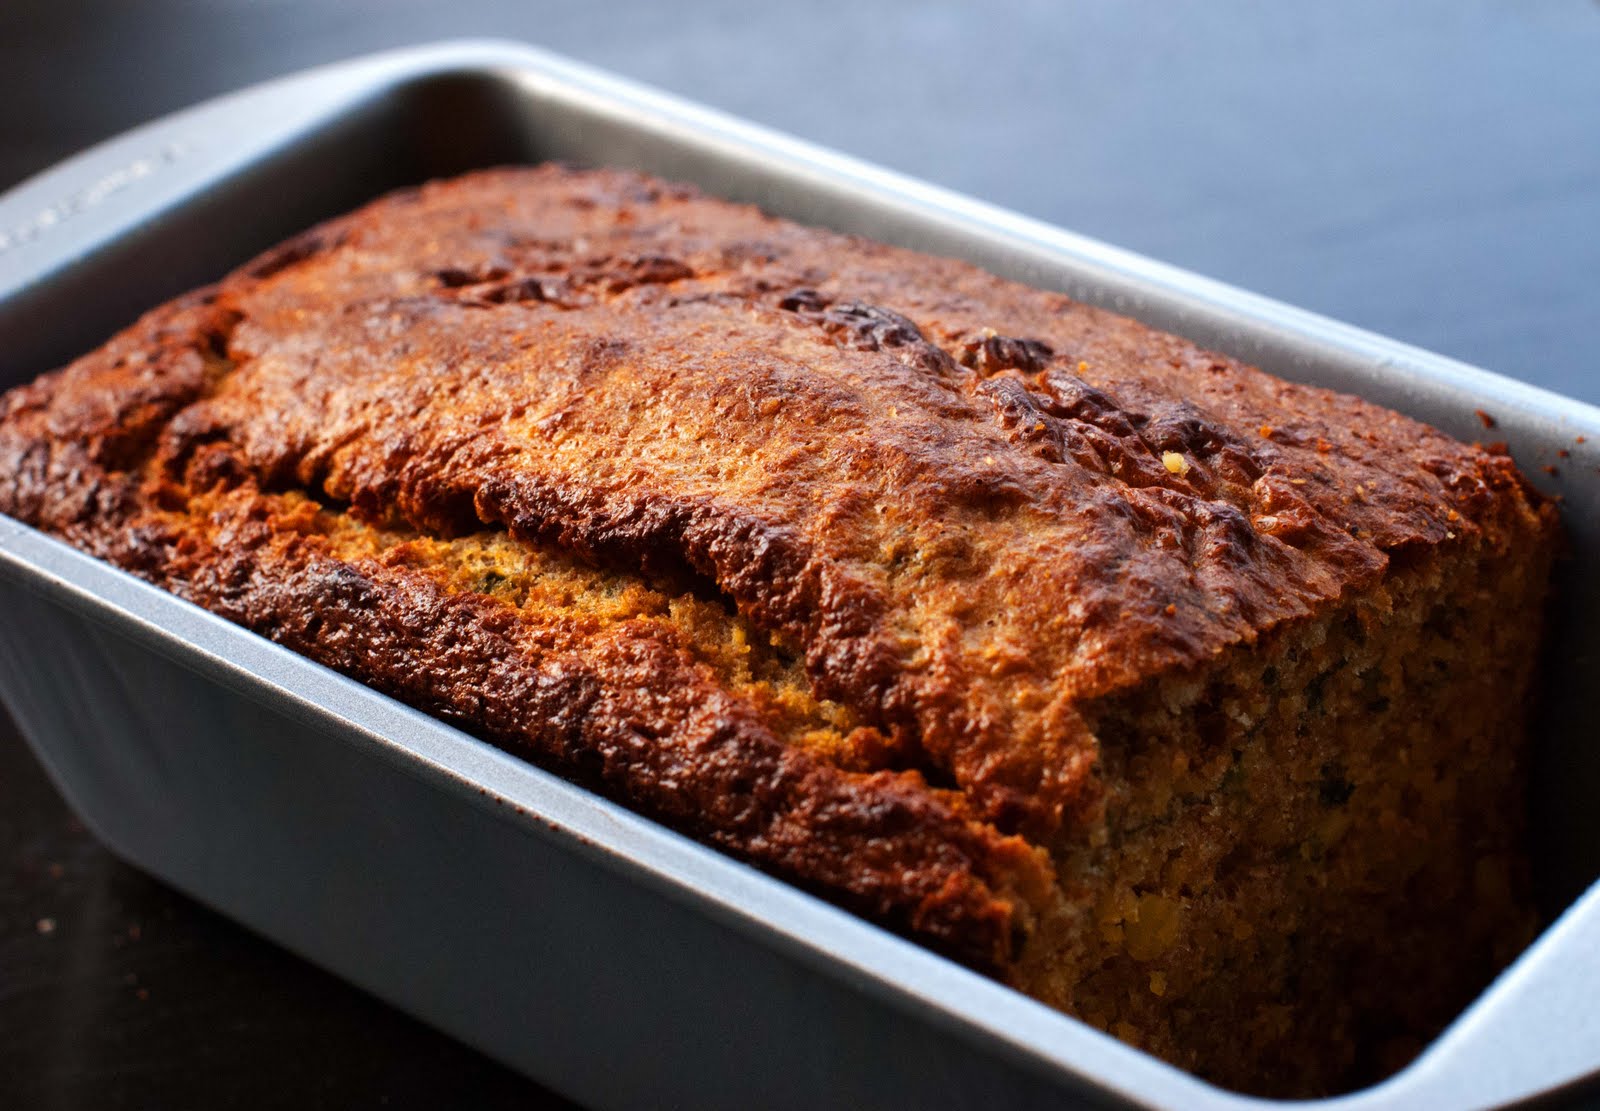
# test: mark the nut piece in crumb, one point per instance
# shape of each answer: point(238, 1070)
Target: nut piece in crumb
point(1175, 462)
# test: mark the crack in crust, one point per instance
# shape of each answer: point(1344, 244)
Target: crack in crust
point(972, 508)
point(632, 705)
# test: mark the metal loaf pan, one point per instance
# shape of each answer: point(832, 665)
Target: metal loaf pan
point(610, 958)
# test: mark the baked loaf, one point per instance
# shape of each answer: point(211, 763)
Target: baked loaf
point(1183, 698)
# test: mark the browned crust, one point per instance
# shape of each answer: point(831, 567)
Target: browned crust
point(626, 709)
point(973, 505)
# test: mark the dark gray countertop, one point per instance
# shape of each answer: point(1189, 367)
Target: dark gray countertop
point(1430, 171)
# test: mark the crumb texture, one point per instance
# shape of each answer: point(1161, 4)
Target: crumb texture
point(1155, 685)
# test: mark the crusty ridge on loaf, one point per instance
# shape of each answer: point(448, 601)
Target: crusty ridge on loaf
point(1157, 686)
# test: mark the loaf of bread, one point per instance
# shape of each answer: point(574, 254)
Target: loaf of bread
point(1180, 697)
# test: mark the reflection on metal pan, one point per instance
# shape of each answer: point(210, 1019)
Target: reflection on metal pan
point(558, 932)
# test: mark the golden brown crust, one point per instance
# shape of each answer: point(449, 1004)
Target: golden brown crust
point(626, 708)
point(654, 379)
point(973, 506)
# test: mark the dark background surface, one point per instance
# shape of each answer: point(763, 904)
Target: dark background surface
point(1431, 171)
